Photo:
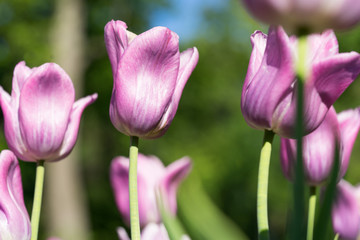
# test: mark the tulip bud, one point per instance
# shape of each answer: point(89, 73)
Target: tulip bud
point(149, 76)
point(268, 100)
point(152, 178)
point(14, 219)
point(336, 131)
point(314, 15)
point(346, 211)
point(41, 118)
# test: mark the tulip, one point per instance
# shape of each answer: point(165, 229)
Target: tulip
point(346, 211)
point(268, 100)
point(319, 147)
point(152, 231)
point(152, 178)
point(14, 219)
point(299, 15)
point(41, 118)
point(149, 77)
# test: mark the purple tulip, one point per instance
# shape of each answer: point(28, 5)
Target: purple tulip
point(152, 177)
point(319, 146)
point(268, 98)
point(14, 219)
point(313, 15)
point(151, 231)
point(41, 118)
point(346, 211)
point(149, 77)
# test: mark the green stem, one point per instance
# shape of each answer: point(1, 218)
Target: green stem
point(311, 215)
point(336, 237)
point(262, 192)
point(39, 185)
point(133, 194)
point(301, 74)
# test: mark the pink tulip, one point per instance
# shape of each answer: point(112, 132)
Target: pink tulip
point(268, 98)
point(14, 219)
point(41, 118)
point(319, 147)
point(152, 178)
point(312, 15)
point(346, 211)
point(151, 231)
point(149, 77)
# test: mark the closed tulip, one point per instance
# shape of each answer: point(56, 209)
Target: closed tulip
point(149, 76)
point(346, 211)
point(152, 178)
point(319, 147)
point(14, 218)
point(268, 100)
point(41, 117)
point(314, 15)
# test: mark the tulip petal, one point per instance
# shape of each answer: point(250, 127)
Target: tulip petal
point(119, 177)
point(154, 231)
point(73, 125)
point(21, 73)
point(45, 104)
point(14, 219)
point(146, 79)
point(175, 173)
point(321, 46)
point(122, 234)
point(349, 122)
point(259, 99)
point(258, 41)
point(345, 212)
point(116, 41)
point(188, 60)
point(333, 75)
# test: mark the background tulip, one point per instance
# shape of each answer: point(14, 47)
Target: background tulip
point(319, 146)
point(346, 211)
point(268, 98)
point(315, 15)
point(152, 176)
point(149, 77)
point(14, 219)
point(41, 117)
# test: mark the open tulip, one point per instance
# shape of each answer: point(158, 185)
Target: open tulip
point(14, 219)
point(268, 100)
point(41, 117)
point(319, 147)
point(149, 77)
point(152, 178)
point(314, 15)
point(346, 211)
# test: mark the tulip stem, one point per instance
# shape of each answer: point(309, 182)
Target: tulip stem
point(133, 193)
point(336, 237)
point(311, 215)
point(35, 214)
point(263, 180)
point(299, 187)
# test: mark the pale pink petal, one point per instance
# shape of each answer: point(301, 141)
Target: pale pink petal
point(45, 104)
point(116, 41)
point(175, 174)
point(73, 125)
point(14, 219)
point(349, 122)
point(122, 234)
point(188, 61)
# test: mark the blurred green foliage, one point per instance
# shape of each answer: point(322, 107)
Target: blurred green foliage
point(208, 126)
